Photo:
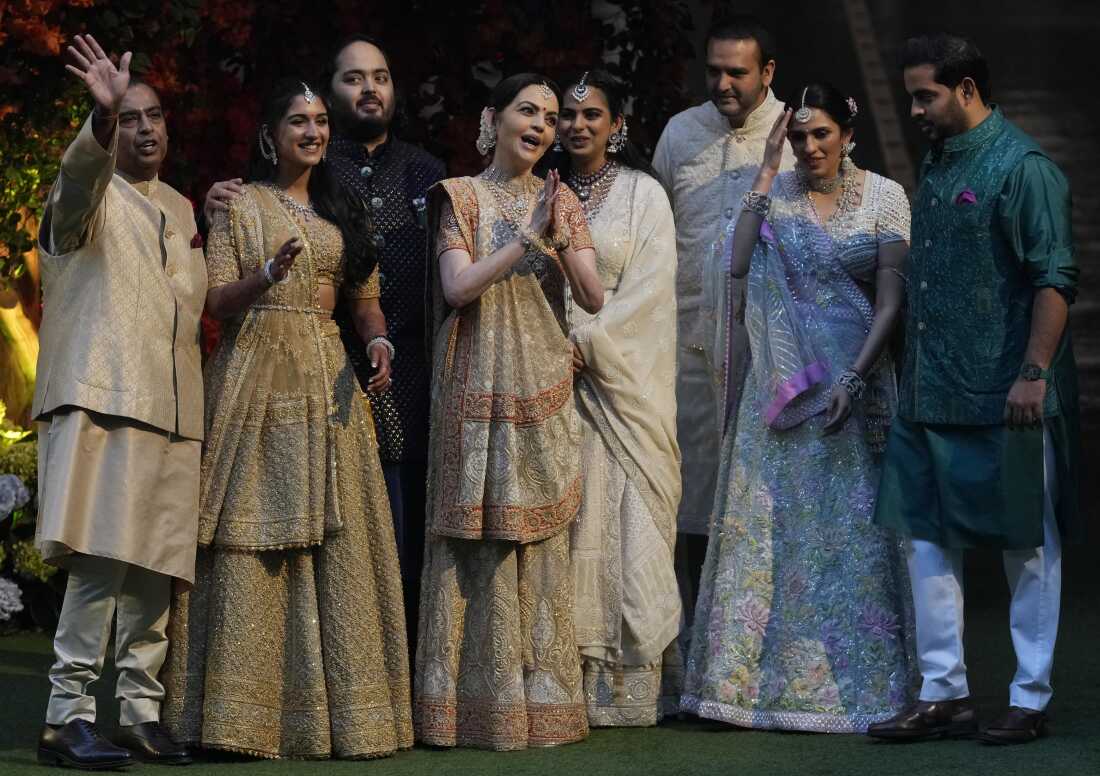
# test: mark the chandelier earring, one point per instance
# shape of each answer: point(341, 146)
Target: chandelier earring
point(267, 146)
point(557, 144)
point(617, 141)
point(487, 133)
point(846, 149)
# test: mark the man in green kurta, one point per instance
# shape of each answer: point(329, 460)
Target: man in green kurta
point(983, 452)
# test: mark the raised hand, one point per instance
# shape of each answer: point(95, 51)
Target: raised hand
point(283, 260)
point(106, 82)
point(777, 140)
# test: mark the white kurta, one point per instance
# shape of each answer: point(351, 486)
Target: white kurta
point(706, 167)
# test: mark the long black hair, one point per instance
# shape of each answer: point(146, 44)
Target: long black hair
point(332, 201)
point(615, 92)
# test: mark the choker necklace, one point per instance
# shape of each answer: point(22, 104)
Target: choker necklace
point(820, 185)
point(512, 192)
point(592, 189)
point(305, 211)
point(514, 184)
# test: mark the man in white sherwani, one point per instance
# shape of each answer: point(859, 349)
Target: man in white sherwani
point(707, 158)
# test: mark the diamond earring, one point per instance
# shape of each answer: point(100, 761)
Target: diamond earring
point(267, 146)
point(617, 141)
point(487, 133)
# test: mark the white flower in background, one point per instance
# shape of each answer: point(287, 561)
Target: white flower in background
point(13, 494)
point(11, 599)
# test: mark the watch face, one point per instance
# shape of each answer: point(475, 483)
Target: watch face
point(1031, 372)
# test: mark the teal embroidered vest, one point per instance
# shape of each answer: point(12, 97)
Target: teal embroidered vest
point(968, 315)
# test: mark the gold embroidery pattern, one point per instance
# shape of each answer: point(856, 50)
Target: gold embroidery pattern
point(498, 666)
point(292, 642)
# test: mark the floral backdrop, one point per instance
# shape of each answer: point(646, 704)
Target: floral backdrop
point(209, 59)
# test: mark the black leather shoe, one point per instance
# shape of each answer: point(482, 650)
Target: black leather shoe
point(150, 743)
point(929, 719)
point(1016, 726)
point(77, 744)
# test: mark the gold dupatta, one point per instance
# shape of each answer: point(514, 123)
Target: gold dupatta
point(276, 394)
point(504, 436)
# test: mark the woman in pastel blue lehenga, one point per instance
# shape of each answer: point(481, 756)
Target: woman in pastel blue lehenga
point(803, 620)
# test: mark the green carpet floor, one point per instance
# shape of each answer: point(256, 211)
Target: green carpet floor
point(692, 747)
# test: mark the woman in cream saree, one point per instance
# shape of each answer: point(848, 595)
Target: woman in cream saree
point(628, 609)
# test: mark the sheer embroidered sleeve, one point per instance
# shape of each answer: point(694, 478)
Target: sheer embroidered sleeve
point(221, 257)
point(450, 234)
point(572, 216)
point(371, 288)
point(893, 216)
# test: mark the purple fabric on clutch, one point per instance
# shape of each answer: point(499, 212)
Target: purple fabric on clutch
point(798, 384)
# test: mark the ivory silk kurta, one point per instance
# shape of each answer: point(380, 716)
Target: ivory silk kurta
point(119, 390)
point(628, 603)
point(706, 167)
point(292, 643)
point(497, 665)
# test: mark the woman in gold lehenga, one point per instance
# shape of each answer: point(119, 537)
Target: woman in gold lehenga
point(292, 643)
point(497, 661)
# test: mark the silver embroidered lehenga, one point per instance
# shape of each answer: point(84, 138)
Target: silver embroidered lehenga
point(628, 607)
point(292, 642)
point(497, 665)
point(804, 619)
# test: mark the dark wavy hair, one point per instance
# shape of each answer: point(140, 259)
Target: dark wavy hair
point(332, 201)
point(953, 57)
point(616, 95)
point(826, 97)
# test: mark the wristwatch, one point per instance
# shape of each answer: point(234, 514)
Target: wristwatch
point(1033, 372)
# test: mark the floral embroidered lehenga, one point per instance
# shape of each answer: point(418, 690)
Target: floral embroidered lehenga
point(804, 618)
point(292, 642)
point(497, 665)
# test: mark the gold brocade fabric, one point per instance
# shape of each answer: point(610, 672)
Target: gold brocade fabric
point(281, 398)
point(292, 643)
point(497, 661)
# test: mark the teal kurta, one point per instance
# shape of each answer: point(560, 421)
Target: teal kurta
point(991, 226)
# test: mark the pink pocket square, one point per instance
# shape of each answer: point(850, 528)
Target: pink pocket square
point(966, 197)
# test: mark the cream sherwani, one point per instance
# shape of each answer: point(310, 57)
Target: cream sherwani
point(706, 167)
point(119, 410)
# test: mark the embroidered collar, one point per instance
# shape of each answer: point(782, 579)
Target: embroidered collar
point(146, 188)
point(978, 136)
point(757, 124)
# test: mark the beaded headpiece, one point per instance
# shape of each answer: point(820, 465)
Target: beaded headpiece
point(853, 108)
point(545, 90)
point(308, 93)
point(803, 114)
point(581, 90)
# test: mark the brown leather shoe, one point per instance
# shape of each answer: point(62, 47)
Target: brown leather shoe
point(150, 743)
point(929, 719)
point(1015, 726)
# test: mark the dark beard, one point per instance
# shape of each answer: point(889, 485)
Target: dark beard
point(361, 130)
